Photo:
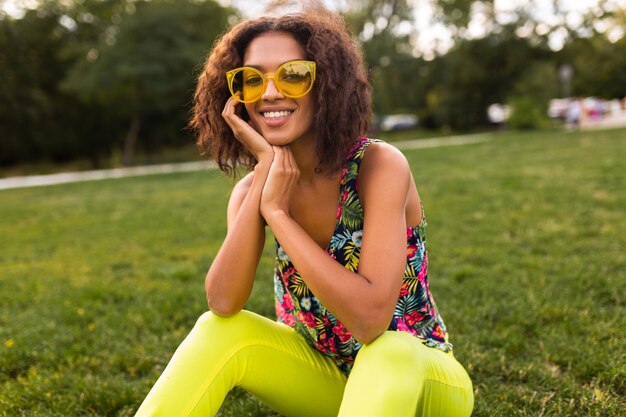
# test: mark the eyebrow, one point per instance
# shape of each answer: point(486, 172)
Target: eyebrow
point(260, 67)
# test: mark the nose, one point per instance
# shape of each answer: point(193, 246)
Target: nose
point(271, 92)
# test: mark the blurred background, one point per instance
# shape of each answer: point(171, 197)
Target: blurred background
point(109, 83)
point(100, 281)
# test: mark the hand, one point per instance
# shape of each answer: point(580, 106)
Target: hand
point(280, 183)
point(246, 134)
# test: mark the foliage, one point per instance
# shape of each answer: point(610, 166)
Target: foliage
point(599, 66)
point(87, 74)
point(475, 74)
point(144, 67)
point(96, 79)
point(526, 114)
point(32, 109)
point(100, 281)
point(531, 96)
point(387, 50)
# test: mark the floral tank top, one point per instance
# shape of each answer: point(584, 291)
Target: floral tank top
point(415, 313)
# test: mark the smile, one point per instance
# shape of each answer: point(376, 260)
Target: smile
point(276, 114)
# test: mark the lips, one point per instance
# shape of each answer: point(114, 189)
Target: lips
point(275, 116)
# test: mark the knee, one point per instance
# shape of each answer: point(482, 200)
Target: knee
point(209, 319)
point(237, 326)
point(392, 350)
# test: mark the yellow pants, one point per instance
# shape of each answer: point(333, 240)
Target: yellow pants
point(394, 376)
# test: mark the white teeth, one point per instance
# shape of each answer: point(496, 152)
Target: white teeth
point(276, 114)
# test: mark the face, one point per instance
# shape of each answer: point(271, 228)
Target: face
point(280, 120)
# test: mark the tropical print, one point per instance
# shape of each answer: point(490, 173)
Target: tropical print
point(415, 312)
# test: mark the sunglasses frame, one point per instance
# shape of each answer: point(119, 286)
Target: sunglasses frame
point(230, 77)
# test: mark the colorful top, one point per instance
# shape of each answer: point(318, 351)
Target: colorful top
point(415, 311)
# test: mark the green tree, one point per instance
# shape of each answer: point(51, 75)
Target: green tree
point(531, 95)
point(384, 28)
point(475, 74)
point(599, 66)
point(142, 67)
point(29, 68)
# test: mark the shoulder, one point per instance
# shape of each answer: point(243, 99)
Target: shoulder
point(382, 154)
point(383, 160)
point(383, 167)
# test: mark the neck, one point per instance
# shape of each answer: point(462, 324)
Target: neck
point(306, 157)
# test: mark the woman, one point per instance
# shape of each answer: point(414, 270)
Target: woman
point(358, 331)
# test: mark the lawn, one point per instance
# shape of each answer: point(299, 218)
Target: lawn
point(100, 281)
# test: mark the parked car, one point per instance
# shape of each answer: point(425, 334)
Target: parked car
point(498, 113)
point(398, 122)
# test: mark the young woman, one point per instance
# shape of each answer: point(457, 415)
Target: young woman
point(358, 331)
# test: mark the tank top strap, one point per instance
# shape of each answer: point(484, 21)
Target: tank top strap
point(350, 170)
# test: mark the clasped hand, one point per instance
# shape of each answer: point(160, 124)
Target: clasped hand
point(280, 183)
point(283, 171)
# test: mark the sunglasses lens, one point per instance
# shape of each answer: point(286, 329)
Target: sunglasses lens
point(247, 84)
point(294, 79)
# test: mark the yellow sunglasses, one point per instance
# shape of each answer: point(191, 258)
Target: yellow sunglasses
point(293, 79)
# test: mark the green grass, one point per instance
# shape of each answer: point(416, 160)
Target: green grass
point(100, 281)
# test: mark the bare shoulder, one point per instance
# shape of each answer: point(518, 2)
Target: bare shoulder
point(381, 155)
point(384, 164)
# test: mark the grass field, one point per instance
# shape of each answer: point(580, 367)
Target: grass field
point(100, 281)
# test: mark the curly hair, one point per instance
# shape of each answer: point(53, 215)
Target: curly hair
point(342, 94)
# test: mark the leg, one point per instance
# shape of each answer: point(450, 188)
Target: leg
point(266, 358)
point(396, 375)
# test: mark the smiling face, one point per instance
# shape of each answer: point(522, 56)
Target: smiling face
point(279, 119)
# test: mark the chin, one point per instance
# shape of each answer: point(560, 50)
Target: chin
point(278, 139)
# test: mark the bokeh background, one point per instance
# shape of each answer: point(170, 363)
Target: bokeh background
point(104, 81)
point(100, 281)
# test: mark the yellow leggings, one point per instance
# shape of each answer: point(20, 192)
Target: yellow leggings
point(396, 375)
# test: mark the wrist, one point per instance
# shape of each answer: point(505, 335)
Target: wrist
point(265, 156)
point(273, 214)
point(262, 166)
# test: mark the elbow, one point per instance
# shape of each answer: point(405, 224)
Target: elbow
point(219, 302)
point(370, 327)
point(366, 338)
point(222, 305)
point(222, 308)
point(368, 335)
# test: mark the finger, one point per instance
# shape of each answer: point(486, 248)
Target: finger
point(295, 169)
point(229, 111)
point(234, 121)
point(287, 157)
point(279, 157)
point(291, 160)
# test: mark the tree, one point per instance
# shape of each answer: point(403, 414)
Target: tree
point(531, 95)
point(142, 67)
point(384, 28)
point(29, 68)
point(599, 66)
point(476, 73)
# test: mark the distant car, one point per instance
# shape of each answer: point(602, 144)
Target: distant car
point(398, 122)
point(498, 113)
point(558, 108)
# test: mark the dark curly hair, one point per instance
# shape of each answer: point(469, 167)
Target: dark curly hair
point(341, 93)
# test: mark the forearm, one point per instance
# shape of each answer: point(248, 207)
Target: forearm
point(357, 301)
point(230, 279)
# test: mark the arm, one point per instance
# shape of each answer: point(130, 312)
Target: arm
point(229, 281)
point(363, 301)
